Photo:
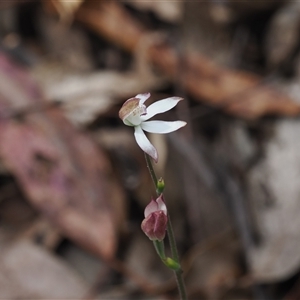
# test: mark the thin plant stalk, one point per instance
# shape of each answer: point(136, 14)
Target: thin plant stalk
point(151, 170)
point(173, 246)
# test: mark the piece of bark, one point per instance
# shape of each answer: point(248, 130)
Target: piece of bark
point(62, 172)
point(239, 93)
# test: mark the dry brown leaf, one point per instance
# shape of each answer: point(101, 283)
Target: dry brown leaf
point(86, 95)
point(29, 272)
point(239, 93)
point(170, 11)
point(214, 267)
point(66, 9)
point(274, 190)
point(282, 35)
point(6, 4)
point(60, 169)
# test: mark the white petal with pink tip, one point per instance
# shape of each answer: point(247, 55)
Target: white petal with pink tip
point(162, 126)
point(161, 205)
point(160, 106)
point(144, 143)
point(151, 208)
point(143, 97)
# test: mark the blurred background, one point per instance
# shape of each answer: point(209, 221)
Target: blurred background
point(74, 183)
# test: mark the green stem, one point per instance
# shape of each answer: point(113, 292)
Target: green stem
point(180, 284)
point(172, 241)
point(178, 273)
point(160, 249)
point(151, 170)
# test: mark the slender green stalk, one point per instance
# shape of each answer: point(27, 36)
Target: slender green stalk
point(160, 249)
point(180, 284)
point(172, 241)
point(151, 170)
point(178, 273)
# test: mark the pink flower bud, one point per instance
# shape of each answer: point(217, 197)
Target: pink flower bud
point(155, 223)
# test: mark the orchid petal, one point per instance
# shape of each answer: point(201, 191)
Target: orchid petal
point(160, 225)
point(144, 143)
point(160, 107)
point(161, 205)
point(155, 225)
point(143, 97)
point(162, 126)
point(151, 208)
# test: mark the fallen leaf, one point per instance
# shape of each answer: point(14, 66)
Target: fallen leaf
point(169, 11)
point(66, 9)
point(29, 272)
point(274, 194)
point(239, 93)
point(60, 169)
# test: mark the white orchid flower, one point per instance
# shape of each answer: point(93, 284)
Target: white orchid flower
point(134, 113)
